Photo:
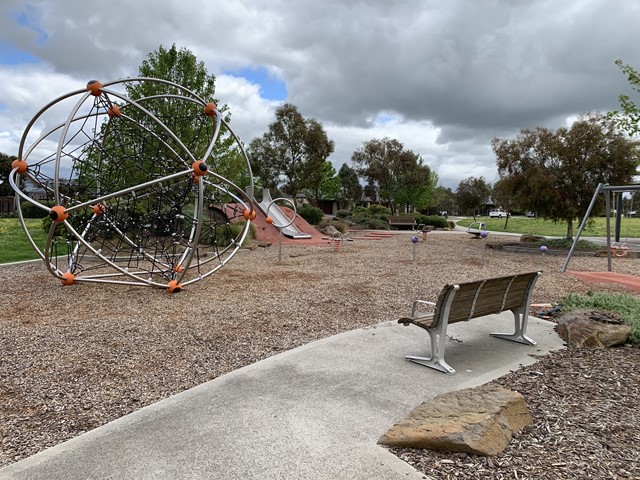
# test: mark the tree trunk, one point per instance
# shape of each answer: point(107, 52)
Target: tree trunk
point(570, 230)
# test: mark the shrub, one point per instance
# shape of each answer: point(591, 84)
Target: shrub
point(29, 210)
point(433, 220)
point(625, 305)
point(343, 214)
point(227, 232)
point(377, 210)
point(311, 214)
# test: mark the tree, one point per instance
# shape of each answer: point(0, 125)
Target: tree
point(183, 118)
point(292, 152)
point(396, 175)
point(418, 185)
point(629, 118)
point(5, 169)
point(502, 194)
point(472, 193)
point(444, 200)
point(330, 186)
point(555, 173)
point(350, 188)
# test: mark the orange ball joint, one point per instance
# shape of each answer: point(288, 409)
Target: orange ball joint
point(95, 87)
point(249, 214)
point(210, 109)
point(21, 165)
point(269, 220)
point(113, 111)
point(174, 287)
point(99, 209)
point(199, 168)
point(68, 278)
point(58, 214)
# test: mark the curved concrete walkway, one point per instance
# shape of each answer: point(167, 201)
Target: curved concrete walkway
point(315, 412)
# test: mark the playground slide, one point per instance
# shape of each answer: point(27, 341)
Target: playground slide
point(279, 217)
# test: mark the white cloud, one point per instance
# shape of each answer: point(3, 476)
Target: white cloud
point(444, 78)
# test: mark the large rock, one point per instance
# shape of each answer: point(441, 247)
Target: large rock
point(479, 420)
point(330, 230)
point(588, 328)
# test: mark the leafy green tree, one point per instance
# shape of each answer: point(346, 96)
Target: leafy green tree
point(444, 200)
point(472, 193)
point(183, 118)
point(554, 173)
point(5, 169)
point(502, 194)
point(292, 152)
point(330, 186)
point(419, 184)
point(350, 188)
point(628, 118)
point(397, 175)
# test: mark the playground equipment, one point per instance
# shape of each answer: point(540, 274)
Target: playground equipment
point(614, 248)
point(281, 221)
point(483, 236)
point(543, 250)
point(414, 241)
point(337, 239)
point(131, 177)
point(476, 231)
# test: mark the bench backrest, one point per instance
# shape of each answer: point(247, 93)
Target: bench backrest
point(484, 297)
point(402, 220)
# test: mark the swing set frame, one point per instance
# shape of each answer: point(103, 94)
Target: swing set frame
point(606, 190)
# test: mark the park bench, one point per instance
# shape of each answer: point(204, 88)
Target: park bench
point(401, 221)
point(464, 301)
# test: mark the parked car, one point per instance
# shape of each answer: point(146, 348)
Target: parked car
point(530, 214)
point(498, 213)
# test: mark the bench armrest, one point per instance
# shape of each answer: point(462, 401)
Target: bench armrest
point(417, 303)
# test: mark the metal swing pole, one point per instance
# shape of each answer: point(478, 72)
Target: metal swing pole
point(584, 222)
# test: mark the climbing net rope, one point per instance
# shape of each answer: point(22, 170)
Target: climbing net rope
point(140, 183)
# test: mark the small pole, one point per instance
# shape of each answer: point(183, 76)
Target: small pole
point(414, 240)
point(280, 245)
point(543, 249)
point(483, 235)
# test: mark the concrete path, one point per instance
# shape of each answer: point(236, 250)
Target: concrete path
point(315, 412)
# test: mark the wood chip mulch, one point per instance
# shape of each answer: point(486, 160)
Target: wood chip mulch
point(586, 409)
point(74, 358)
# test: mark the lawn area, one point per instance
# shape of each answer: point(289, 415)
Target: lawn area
point(14, 245)
point(630, 227)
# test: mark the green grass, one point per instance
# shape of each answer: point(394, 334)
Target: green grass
point(14, 245)
point(629, 228)
point(624, 305)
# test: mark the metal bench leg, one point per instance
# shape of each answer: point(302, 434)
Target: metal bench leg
point(521, 318)
point(436, 360)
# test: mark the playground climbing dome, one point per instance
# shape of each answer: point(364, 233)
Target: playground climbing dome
point(132, 177)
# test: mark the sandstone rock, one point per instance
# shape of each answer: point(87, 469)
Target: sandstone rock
point(478, 420)
point(330, 230)
point(588, 328)
point(531, 238)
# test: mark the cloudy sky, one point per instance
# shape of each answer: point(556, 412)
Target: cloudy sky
point(442, 77)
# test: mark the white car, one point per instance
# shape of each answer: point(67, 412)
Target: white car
point(497, 213)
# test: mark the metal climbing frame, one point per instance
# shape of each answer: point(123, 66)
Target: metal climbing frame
point(606, 190)
point(132, 177)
